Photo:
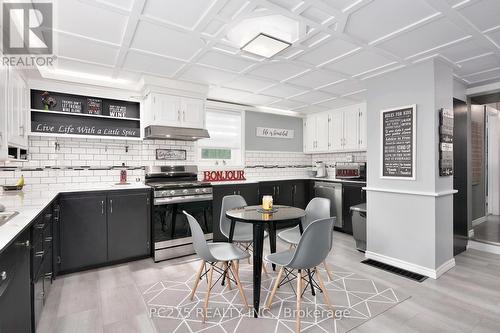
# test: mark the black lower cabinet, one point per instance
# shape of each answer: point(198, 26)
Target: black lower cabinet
point(128, 226)
point(15, 291)
point(98, 228)
point(83, 231)
point(352, 194)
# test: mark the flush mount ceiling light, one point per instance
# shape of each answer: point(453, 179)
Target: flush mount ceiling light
point(265, 46)
point(266, 35)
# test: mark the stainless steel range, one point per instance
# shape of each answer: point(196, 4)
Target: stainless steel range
point(176, 189)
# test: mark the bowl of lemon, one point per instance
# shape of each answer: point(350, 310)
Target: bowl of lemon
point(17, 187)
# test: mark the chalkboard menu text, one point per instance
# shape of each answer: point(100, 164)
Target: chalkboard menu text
point(446, 123)
point(398, 142)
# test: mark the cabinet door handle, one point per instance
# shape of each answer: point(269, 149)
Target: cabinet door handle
point(3, 275)
point(39, 254)
point(25, 244)
point(111, 206)
point(179, 115)
point(184, 115)
point(278, 190)
point(102, 207)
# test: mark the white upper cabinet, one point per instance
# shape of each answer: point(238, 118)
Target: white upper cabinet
point(340, 130)
point(17, 110)
point(3, 112)
point(170, 110)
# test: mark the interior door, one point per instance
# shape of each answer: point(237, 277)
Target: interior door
point(336, 131)
point(460, 212)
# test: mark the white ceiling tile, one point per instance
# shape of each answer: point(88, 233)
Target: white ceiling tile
point(80, 67)
point(344, 87)
point(287, 4)
point(237, 96)
point(168, 42)
point(248, 84)
point(382, 17)
point(421, 39)
point(311, 97)
point(316, 39)
point(337, 103)
point(339, 4)
point(489, 75)
point(479, 64)
point(282, 90)
point(359, 62)
point(311, 109)
point(317, 15)
point(315, 79)
point(287, 104)
point(231, 8)
point(179, 12)
point(225, 61)
point(152, 64)
point(124, 4)
point(84, 19)
point(213, 27)
point(330, 50)
point(463, 50)
point(85, 49)
point(484, 13)
point(206, 75)
point(277, 70)
point(495, 36)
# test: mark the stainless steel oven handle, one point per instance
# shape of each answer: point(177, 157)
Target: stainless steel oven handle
point(170, 200)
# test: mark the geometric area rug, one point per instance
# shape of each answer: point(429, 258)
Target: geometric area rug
point(355, 299)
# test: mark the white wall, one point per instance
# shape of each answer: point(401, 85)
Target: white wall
point(410, 223)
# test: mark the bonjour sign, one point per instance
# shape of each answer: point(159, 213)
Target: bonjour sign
point(223, 176)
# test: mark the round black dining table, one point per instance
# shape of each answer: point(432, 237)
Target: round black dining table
point(261, 221)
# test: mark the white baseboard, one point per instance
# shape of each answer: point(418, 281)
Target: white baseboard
point(429, 272)
point(478, 221)
point(485, 247)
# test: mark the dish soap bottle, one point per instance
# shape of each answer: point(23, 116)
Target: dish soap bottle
point(123, 174)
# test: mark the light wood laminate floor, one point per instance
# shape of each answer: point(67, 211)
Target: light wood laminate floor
point(465, 299)
point(489, 230)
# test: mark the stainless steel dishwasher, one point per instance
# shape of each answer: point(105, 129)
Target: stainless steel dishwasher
point(332, 191)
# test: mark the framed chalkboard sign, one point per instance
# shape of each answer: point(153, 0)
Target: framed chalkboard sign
point(446, 124)
point(398, 142)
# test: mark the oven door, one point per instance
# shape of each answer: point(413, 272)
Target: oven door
point(170, 225)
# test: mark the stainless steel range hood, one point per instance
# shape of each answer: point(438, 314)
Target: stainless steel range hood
point(175, 133)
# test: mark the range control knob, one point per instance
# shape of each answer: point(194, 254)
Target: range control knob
point(185, 191)
point(204, 190)
point(172, 192)
point(197, 190)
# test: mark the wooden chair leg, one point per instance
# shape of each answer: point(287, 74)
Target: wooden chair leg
point(209, 287)
point(240, 287)
point(299, 296)
point(197, 281)
point(228, 279)
point(325, 291)
point(328, 272)
point(276, 284)
point(264, 268)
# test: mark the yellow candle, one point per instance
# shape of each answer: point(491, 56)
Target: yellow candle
point(267, 202)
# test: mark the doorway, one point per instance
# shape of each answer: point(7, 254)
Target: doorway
point(486, 172)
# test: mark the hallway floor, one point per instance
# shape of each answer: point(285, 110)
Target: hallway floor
point(488, 231)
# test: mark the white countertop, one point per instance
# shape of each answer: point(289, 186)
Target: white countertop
point(276, 179)
point(30, 203)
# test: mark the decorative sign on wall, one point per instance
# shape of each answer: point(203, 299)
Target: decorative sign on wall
point(398, 142)
point(67, 126)
point(170, 154)
point(446, 124)
point(94, 106)
point(117, 111)
point(71, 106)
point(279, 133)
point(223, 176)
point(477, 129)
